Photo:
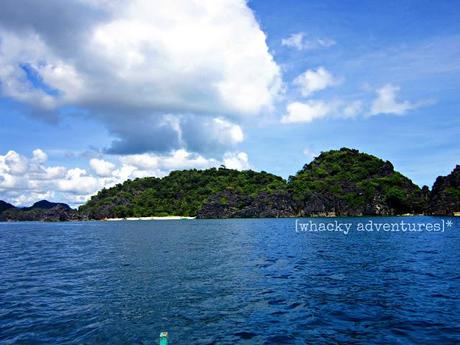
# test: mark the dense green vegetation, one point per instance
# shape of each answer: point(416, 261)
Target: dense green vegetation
point(341, 182)
point(344, 182)
point(445, 195)
point(355, 183)
point(180, 193)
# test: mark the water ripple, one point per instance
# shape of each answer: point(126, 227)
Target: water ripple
point(225, 282)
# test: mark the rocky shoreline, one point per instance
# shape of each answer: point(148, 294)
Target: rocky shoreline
point(337, 183)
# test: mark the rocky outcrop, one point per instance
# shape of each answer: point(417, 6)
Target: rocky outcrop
point(324, 205)
point(445, 194)
point(347, 182)
point(342, 182)
point(229, 204)
point(185, 193)
point(41, 211)
point(5, 206)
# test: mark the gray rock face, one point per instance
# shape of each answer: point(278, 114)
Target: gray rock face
point(40, 211)
point(341, 182)
point(228, 204)
point(445, 194)
point(347, 182)
point(328, 205)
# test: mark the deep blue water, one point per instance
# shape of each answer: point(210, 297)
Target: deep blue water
point(227, 282)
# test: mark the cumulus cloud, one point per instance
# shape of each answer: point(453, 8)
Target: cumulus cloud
point(77, 181)
point(386, 102)
point(311, 110)
point(312, 81)
point(14, 164)
point(212, 134)
point(158, 165)
point(298, 112)
point(39, 156)
point(134, 66)
point(300, 42)
point(238, 161)
point(101, 167)
point(24, 180)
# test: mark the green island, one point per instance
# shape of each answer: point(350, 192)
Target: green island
point(341, 182)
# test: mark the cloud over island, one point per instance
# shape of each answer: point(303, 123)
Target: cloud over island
point(149, 70)
point(24, 180)
point(149, 86)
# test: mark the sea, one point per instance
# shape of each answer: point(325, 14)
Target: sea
point(389, 280)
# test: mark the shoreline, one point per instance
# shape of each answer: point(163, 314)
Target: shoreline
point(148, 218)
point(156, 218)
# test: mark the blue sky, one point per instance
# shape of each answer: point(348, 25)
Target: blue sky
point(412, 44)
point(105, 96)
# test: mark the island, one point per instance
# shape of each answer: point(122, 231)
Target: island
point(342, 182)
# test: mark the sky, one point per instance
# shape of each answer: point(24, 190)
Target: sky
point(94, 92)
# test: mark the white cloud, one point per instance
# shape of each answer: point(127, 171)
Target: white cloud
point(39, 156)
point(352, 109)
point(161, 164)
point(150, 164)
point(387, 103)
point(145, 161)
point(228, 132)
point(294, 41)
point(237, 160)
point(26, 180)
point(52, 173)
point(14, 163)
point(299, 42)
point(305, 112)
point(77, 181)
point(212, 135)
point(182, 159)
point(134, 61)
point(27, 199)
point(101, 167)
point(310, 110)
point(312, 81)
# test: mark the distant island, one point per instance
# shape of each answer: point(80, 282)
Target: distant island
point(40, 211)
point(341, 182)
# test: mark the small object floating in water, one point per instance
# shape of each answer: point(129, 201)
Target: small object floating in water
point(164, 338)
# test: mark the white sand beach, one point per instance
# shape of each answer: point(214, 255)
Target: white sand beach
point(149, 218)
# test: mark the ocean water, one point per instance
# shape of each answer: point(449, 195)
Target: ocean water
point(229, 282)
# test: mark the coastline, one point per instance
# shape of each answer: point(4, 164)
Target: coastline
point(226, 218)
point(148, 218)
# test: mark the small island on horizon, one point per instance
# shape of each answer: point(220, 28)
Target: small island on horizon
point(341, 182)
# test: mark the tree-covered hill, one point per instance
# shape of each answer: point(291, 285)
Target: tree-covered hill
point(182, 193)
point(341, 182)
point(348, 182)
